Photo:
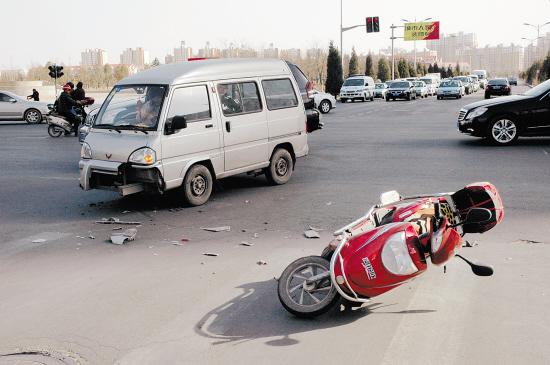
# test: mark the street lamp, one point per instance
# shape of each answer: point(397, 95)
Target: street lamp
point(537, 27)
point(408, 21)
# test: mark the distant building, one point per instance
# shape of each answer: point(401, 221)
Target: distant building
point(498, 60)
point(452, 48)
point(93, 57)
point(12, 75)
point(168, 59)
point(137, 57)
point(291, 54)
point(270, 52)
point(537, 51)
point(182, 54)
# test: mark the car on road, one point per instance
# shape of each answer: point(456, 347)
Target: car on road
point(450, 89)
point(431, 85)
point(421, 89)
point(482, 76)
point(467, 83)
point(401, 90)
point(15, 107)
point(313, 117)
point(475, 82)
point(357, 87)
point(497, 87)
point(380, 90)
point(503, 120)
point(513, 80)
point(324, 101)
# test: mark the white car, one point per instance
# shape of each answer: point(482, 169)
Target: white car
point(421, 89)
point(357, 87)
point(380, 90)
point(15, 107)
point(324, 101)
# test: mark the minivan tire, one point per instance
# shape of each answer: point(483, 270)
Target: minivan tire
point(197, 185)
point(280, 167)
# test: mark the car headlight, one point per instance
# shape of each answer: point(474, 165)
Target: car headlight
point(143, 156)
point(476, 113)
point(85, 151)
point(437, 238)
point(396, 257)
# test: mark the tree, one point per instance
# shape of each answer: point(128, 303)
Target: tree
point(155, 62)
point(457, 70)
point(334, 79)
point(121, 71)
point(436, 68)
point(443, 73)
point(412, 71)
point(544, 73)
point(109, 77)
point(430, 68)
point(383, 69)
point(449, 71)
point(353, 63)
point(403, 69)
point(424, 69)
point(419, 70)
point(369, 67)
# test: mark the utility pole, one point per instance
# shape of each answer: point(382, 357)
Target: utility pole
point(393, 37)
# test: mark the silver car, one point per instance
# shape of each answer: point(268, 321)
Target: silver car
point(15, 107)
point(324, 101)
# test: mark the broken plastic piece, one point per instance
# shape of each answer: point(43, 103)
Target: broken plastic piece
point(310, 233)
point(248, 244)
point(217, 229)
point(114, 220)
point(211, 254)
point(261, 262)
point(119, 238)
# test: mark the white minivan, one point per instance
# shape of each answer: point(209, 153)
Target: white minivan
point(357, 87)
point(183, 125)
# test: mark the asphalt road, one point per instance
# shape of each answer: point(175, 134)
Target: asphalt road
point(153, 302)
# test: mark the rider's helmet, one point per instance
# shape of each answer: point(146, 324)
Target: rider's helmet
point(66, 87)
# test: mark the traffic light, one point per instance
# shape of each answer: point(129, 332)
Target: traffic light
point(59, 71)
point(55, 71)
point(375, 24)
point(369, 24)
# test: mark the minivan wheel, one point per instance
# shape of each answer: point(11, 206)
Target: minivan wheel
point(197, 185)
point(280, 168)
point(33, 116)
point(324, 106)
point(503, 131)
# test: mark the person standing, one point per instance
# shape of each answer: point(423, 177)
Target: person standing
point(35, 95)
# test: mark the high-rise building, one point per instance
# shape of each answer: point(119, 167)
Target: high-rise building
point(182, 54)
point(137, 57)
point(271, 52)
point(537, 51)
point(452, 48)
point(93, 57)
point(498, 60)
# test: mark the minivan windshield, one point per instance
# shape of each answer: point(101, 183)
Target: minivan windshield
point(132, 107)
point(540, 89)
point(449, 84)
point(427, 81)
point(353, 82)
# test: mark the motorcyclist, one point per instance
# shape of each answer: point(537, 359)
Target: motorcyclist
point(79, 93)
point(65, 104)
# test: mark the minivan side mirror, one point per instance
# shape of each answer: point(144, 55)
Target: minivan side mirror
point(178, 122)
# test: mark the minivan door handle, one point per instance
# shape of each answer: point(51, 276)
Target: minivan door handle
point(228, 126)
point(209, 126)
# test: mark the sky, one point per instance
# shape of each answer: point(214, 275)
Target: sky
point(37, 31)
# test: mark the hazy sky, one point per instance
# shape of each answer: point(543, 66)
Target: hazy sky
point(36, 31)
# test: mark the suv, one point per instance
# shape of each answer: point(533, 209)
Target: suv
point(313, 116)
point(357, 87)
point(497, 87)
point(401, 90)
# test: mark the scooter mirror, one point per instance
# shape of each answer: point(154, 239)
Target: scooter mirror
point(389, 197)
point(482, 270)
point(478, 215)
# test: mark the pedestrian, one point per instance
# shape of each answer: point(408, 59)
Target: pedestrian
point(79, 93)
point(35, 95)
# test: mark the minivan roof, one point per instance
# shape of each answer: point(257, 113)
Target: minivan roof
point(207, 70)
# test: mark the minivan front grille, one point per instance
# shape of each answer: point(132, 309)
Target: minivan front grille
point(462, 114)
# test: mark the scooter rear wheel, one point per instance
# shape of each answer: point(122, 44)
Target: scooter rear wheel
point(55, 131)
point(303, 299)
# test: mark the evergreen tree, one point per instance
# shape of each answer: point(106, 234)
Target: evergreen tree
point(383, 69)
point(155, 63)
point(403, 69)
point(424, 69)
point(430, 68)
point(443, 73)
point(457, 70)
point(449, 71)
point(353, 63)
point(412, 71)
point(544, 73)
point(419, 70)
point(436, 68)
point(334, 79)
point(369, 67)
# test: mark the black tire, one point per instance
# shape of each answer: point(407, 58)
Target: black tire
point(343, 100)
point(438, 98)
point(409, 97)
point(325, 106)
point(326, 295)
point(280, 167)
point(197, 185)
point(508, 127)
point(33, 116)
point(55, 131)
point(372, 98)
point(387, 98)
point(487, 96)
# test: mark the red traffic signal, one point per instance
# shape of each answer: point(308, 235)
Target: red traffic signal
point(375, 24)
point(369, 24)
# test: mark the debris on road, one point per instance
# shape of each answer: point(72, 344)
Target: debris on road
point(217, 229)
point(248, 244)
point(310, 233)
point(91, 237)
point(526, 241)
point(211, 254)
point(117, 228)
point(185, 239)
point(469, 244)
point(255, 235)
point(176, 243)
point(261, 262)
point(39, 240)
point(329, 203)
point(114, 220)
point(126, 212)
point(316, 229)
point(119, 238)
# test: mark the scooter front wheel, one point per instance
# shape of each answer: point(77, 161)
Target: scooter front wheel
point(55, 131)
point(305, 299)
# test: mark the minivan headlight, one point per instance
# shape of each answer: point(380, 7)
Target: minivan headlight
point(85, 151)
point(476, 113)
point(143, 156)
point(396, 257)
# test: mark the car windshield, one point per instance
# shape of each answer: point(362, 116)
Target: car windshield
point(498, 82)
point(419, 84)
point(380, 86)
point(427, 81)
point(132, 107)
point(399, 85)
point(353, 82)
point(540, 89)
point(463, 79)
point(449, 84)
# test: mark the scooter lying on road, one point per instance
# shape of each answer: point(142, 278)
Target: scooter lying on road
point(389, 246)
point(58, 125)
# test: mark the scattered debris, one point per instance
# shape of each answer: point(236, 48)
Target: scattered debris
point(255, 235)
point(508, 258)
point(175, 209)
point(126, 212)
point(80, 237)
point(119, 238)
point(117, 228)
point(155, 254)
point(151, 246)
point(266, 222)
point(211, 254)
point(243, 230)
point(469, 244)
point(176, 243)
point(185, 240)
point(39, 240)
point(114, 220)
point(261, 262)
point(217, 229)
point(247, 201)
point(316, 229)
point(248, 244)
point(202, 262)
point(91, 237)
point(526, 241)
point(310, 233)
point(329, 203)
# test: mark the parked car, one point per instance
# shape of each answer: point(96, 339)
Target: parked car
point(209, 119)
point(313, 117)
point(380, 90)
point(450, 89)
point(421, 89)
point(15, 107)
point(431, 85)
point(482, 76)
point(357, 87)
point(513, 80)
point(503, 120)
point(497, 87)
point(467, 83)
point(324, 101)
point(401, 90)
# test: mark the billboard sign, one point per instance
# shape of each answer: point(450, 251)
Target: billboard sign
point(421, 31)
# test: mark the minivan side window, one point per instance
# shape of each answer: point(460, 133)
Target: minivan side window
point(239, 98)
point(191, 102)
point(279, 94)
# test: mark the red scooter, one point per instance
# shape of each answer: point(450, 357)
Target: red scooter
point(389, 246)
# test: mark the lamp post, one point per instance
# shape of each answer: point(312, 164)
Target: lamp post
point(408, 21)
point(537, 27)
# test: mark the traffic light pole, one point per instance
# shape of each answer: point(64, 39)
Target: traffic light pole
point(55, 81)
point(393, 37)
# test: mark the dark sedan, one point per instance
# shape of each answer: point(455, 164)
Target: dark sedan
point(401, 90)
point(503, 120)
point(497, 87)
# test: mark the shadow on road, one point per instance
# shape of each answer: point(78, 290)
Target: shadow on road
point(522, 141)
point(257, 313)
